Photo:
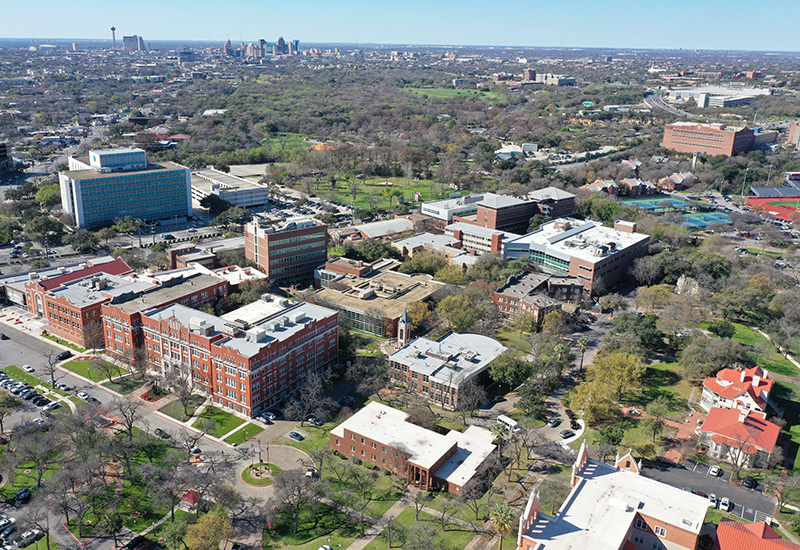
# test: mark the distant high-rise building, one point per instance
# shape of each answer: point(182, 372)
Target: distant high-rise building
point(6, 162)
point(133, 43)
point(286, 250)
point(294, 47)
point(186, 56)
point(711, 139)
point(228, 48)
point(282, 47)
point(114, 183)
point(114, 38)
point(529, 74)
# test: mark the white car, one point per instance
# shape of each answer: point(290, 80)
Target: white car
point(712, 500)
point(714, 471)
point(83, 395)
point(27, 368)
point(725, 504)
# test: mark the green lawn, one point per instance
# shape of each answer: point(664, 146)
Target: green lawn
point(223, 422)
point(450, 93)
point(41, 544)
point(757, 251)
point(126, 385)
point(65, 343)
point(317, 439)
point(371, 190)
point(180, 515)
point(247, 476)
point(455, 536)
point(514, 339)
point(248, 431)
point(327, 527)
point(85, 369)
point(788, 396)
point(21, 376)
point(771, 359)
point(664, 380)
point(23, 480)
point(175, 408)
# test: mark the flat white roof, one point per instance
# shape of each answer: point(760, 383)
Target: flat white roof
point(385, 228)
point(582, 240)
point(451, 360)
point(471, 229)
point(601, 507)
point(389, 427)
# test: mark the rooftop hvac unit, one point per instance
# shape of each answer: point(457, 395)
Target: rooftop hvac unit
point(266, 297)
point(284, 321)
point(256, 335)
point(297, 316)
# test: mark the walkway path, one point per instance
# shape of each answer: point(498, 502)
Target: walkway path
point(376, 529)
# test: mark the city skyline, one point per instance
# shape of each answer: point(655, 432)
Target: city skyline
point(619, 24)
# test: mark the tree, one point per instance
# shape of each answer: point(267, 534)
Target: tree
point(50, 368)
point(129, 410)
point(458, 311)
point(293, 491)
point(705, 356)
point(654, 426)
point(181, 386)
point(583, 345)
point(470, 397)
point(785, 490)
point(112, 525)
point(49, 196)
point(419, 499)
point(722, 328)
point(448, 508)
point(308, 400)
point(174, 534)
point(552, 493)
point(418, 313)
point(45, 230)
point(106, 234)
point(136, 360)
point(394, 531)
point(647, 270)
point(8, 403)
point(613, 302)
point(209, 531)
point(106, 368)
point(555, 323)
point(503, 520)
point(510, 369)
point(620, 370)
point(654, 297)
point(85, 242)
point(501, 432)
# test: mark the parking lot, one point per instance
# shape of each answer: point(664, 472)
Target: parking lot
point(749, 504)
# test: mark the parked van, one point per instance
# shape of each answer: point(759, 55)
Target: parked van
point(512, 424)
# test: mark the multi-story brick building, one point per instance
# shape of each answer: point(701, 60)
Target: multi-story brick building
point(428, 460)
point(247, 360)
point(289, 250)
point(436, 370)
point(613, 507)
point(536, 294)
point(709, 139)
point(502, 212)
point(122, 315)
point(553, 202)
point(475, 238)
point(584, 249)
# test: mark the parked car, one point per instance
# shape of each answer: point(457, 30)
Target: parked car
point(347, 401)
point(3, 336)
point(63, 387)
point(749, 482)
point(29, 537)
point(52, 406)
point(5, 521)
point(296, 436)
point(27, 368)
point(715, 471)
point(83, 395)
point(263, 419)
point(161, 433)
point(725, 504)
point(570, 414)
point(574, 425)
point(712, 500)
point(8, 532)
point(635, 412)
point(316, 421)
point(64, 355)
point(566, 434)
point(553, 422)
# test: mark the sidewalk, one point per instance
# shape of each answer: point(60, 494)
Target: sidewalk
point(361, 542)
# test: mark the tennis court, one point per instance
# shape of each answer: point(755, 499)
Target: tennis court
point(702, 219)
point(659, 204)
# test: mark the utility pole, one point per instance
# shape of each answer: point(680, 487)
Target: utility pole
point(745, 180)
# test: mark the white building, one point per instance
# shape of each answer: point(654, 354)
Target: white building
point(237, 191)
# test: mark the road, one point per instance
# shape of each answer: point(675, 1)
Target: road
point(750, 504)
point(654, 100)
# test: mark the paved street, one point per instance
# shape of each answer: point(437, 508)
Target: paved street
point(749, 504)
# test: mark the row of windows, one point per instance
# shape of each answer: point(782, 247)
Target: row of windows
point(297, 239)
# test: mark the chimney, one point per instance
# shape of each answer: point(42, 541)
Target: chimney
point(741, 375)
point(743, 415)
point(765, 373)
point(756, 380)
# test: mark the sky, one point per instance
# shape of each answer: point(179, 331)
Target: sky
point(697, 24)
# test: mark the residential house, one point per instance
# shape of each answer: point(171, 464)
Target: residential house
point(737, 388)
point(742, 437)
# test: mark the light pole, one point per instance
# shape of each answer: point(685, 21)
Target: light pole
point(769, 174)
point(745, 180)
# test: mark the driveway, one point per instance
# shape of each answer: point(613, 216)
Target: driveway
point(750, 504)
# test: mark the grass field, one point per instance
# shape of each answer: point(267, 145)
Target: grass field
point(248, 431)
point(175, 408)
point(664, 380)
point(85, 369)
point(455, 536)
point(326, 527)
point(449, 93)
point(371, 191)
point(247, 476)
point(126, 385)
point(65, 343)
point(793, 204)
point(223, 421)
point(769, 358)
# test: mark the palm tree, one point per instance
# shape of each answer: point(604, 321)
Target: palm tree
point(500, 431)
point(583, 344)
point(502, 520)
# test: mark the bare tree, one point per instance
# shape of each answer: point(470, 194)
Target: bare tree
point(449, 508)
point(50, 368)
point(106, 368)
point(129, 411)
point(136, 360)
point(95, 335)
point(419, 499)
point(293, 492)
point(470, 396)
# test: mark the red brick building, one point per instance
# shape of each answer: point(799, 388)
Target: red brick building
point(123, 315)
point(288, 251)
point(248, 360)
point(709, 139)
point(502, 212)
point(536, 294)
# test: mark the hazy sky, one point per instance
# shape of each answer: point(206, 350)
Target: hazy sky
point(696, 24)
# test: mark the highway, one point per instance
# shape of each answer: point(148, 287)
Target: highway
point(654, 100)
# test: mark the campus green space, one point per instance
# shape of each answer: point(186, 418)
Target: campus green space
point(450, 93)
point(87, 370)
point(456, 536)
point(768, 357)
point(221, 422)
point(176, 411)
point(248, 431)
point(247, 475)
point(327, 526)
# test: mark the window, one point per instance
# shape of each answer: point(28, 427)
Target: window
point(660, 531)
point(656, 545)
point(641, 524)
point(638, 539)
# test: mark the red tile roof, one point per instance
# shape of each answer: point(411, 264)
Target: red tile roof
point(734, 385)
point(732, 535)
point(117, 267)
point(751, 433)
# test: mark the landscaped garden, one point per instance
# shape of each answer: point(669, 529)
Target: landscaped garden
point(260, 474)
point(248, 431)
point(176, 410)
point(217, 422)
point(95, 370)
